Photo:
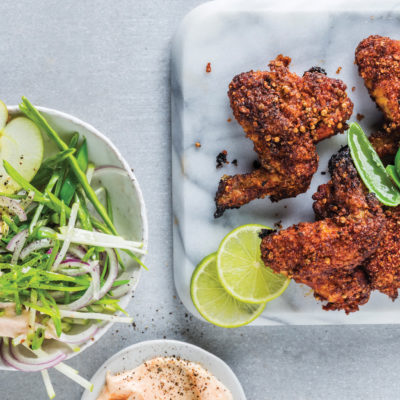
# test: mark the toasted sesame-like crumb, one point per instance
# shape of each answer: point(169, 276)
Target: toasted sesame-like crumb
point(208, 68)
point(221, 159)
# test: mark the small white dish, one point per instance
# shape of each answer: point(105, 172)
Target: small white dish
point(128, 204)
point(132, 356)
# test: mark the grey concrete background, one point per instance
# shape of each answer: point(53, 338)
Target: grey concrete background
point(107, 62)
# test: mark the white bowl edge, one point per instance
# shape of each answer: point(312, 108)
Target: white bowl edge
point(59, 114)
point(165, 347)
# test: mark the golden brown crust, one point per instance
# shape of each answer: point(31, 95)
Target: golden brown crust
point(386, 144)
point(378, 60)
point(383, 267)
point(326, 254)
point(284, 115)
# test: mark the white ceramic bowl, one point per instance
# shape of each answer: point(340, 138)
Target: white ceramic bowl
point(132, 356)
point(128, 204)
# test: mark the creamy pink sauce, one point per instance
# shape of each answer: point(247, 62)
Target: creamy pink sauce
point(13, 325)
point(165, 378)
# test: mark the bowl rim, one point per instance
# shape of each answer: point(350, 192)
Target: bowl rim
point(13, 109)
point(162, 344)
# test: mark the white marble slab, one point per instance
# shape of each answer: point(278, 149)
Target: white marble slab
point(237, 36)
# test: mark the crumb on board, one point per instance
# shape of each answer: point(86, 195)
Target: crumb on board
point(338, 70)
point(229, 119)
point(265, 232)
point(317, 69)
point(353, 89)
point(235, 162)
point(221, 159)
point(208, 68)
point(256, 164)
point(360, 117)
point(278, 225)
point(198, 144)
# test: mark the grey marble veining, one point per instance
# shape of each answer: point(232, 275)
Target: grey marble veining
point(108, 64)
point(236, 37)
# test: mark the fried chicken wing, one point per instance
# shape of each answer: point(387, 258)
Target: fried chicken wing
point(285, 116)
point(386, 144)
point(383, 267)
point(378, 60)
point(326, 255)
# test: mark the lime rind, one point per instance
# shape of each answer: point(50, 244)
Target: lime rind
point(241, 270)
point(215, 304)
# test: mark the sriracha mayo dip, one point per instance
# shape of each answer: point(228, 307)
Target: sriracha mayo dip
point(165, 378)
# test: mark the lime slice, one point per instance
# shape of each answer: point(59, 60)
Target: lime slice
point(241, 270)
point(214, 303)
point(21, 144)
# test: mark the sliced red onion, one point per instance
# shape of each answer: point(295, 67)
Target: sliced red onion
point(81, 337)
point(112, 272)
point(13, 242)
point(74, 267)
point(73, 262)
point(93, 291)
point(18, 244)
point(77, 251)
point(13, 206)
point(10, 360)
point(67, 241)
point(36, 245)
point(49, 358)
point(77, 271)
point(96, 280)
point(120, 291)
point(86, 298)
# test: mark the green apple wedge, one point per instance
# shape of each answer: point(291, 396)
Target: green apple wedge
point(21, 144)
point(3, 115)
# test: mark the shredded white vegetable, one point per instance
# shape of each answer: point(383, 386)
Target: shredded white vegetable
point(47, 382)
point(99, 316)
point(99, 239)
point(73, 375)
point(68, 232)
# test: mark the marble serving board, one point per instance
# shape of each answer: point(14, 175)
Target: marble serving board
point(234, 37)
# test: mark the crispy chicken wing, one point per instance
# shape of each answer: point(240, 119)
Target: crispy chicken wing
point(383, 267)
point(326, 255)
point(353, 247)
point(378, 60)
point(285, 116)
point(386, 144)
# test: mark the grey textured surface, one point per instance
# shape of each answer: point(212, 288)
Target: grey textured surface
point(108, 64)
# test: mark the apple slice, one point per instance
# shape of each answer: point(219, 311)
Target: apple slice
point(3, 115)
point(21, 144)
